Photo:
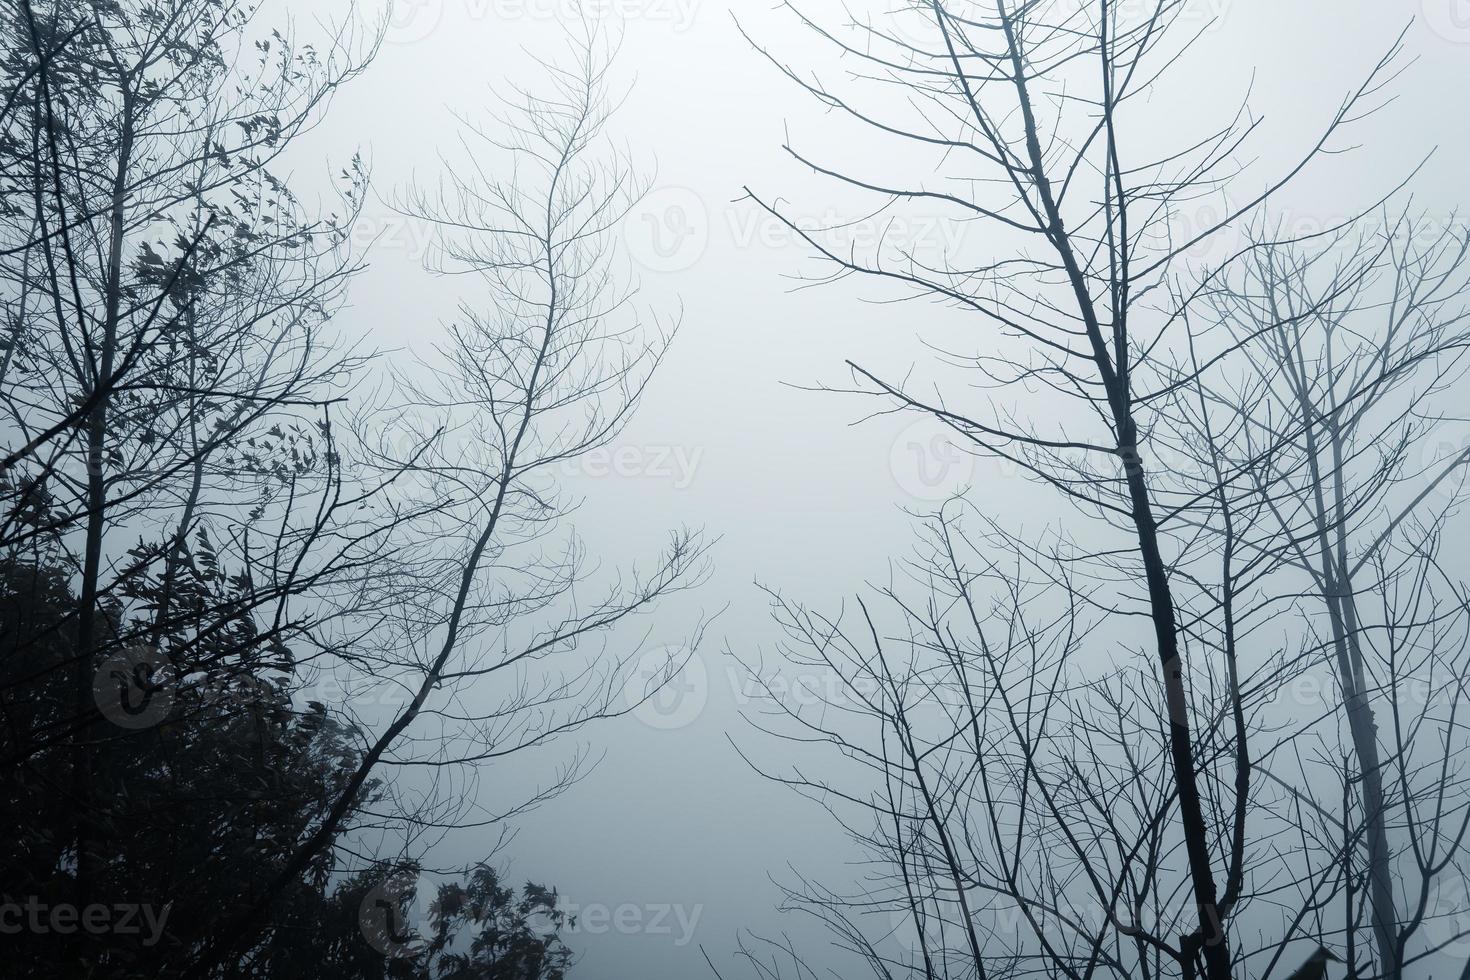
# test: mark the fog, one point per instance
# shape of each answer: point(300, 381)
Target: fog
point(673, 846)
point(804, 496)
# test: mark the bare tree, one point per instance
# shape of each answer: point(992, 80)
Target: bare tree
point(1026, 116)
point(166, 377)
point(1013, 798)
point(1360, 343)
point(1007, 782)
point(480, 628)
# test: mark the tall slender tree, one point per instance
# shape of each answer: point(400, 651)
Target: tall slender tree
point(166, 378)
point(487, 636)
point(1025, 118)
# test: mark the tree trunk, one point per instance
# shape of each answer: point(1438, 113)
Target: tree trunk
point(86, 648)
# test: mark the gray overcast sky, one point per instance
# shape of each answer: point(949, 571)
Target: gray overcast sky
point(804, 500)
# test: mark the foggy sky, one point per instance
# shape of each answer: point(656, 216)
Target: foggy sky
point(673, 825)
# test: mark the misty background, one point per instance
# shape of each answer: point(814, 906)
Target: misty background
point(729, 436)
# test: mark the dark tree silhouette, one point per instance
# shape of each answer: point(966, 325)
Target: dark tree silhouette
point(1027, 120)
point(208, 551)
